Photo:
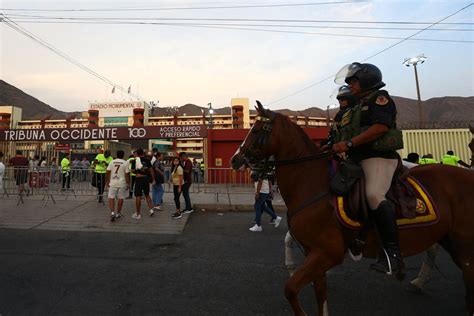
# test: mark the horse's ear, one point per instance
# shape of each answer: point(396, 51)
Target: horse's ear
point(260, 108)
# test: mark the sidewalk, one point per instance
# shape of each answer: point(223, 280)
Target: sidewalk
point(83, 213)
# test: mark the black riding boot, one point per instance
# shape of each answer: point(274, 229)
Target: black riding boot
point(391, 262)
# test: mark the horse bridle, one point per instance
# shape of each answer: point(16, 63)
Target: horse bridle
point(262, 139)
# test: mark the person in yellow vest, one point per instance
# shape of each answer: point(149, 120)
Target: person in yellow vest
point(66, 172)
point(101, 163)
point(131, 165)
point(202, 167)
point(427, 160)
point(452, 160)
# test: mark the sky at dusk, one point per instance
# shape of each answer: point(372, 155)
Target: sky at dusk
point(210, 62)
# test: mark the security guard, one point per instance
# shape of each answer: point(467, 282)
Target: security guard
point(428, 160)
point(452, 160)
point(369, 136)
point(101, 163)
point(346, 101)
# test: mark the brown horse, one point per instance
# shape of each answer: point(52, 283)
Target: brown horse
point(314, 225)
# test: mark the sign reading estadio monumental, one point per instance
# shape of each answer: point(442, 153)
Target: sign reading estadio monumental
point(109, 133)
point(116, 109)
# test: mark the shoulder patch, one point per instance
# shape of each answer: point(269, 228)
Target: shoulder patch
point(381, 100)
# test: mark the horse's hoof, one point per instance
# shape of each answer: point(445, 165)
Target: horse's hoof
point(411, 287)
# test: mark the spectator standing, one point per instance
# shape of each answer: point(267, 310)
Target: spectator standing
point(54, 169)
point(76, 166)
point(195, 170)
point(66, 172)
point(262, 194)
point(187, 181)
point(144, 172)
point(131, 165)
point(2, 170)
point(34, 163)
point(157, 188)
point(452, 160)
point(101, 163)
point(43, 163)
point(85, 165)
point(177, 181)
point(118, 181)
point(20, 170)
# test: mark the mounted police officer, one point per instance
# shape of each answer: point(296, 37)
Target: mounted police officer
point(368, 135)
point(346, 101)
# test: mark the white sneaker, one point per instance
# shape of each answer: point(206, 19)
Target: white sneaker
point(136, 216)
point(277, 221)
point(152, 212)
point(255, 228)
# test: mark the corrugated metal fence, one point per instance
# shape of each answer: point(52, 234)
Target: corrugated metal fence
point(437, 142)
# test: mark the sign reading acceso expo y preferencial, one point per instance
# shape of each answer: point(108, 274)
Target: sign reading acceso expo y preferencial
point(109, 133)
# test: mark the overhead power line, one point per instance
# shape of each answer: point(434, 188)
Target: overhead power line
point(304, 4)
point(62, 54)
point(138, 21)
point(96, 18)
point(374, 55)
point(242, 28)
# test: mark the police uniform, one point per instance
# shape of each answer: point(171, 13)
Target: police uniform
point(378, 158)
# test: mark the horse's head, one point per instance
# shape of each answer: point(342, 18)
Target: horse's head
point(259, 144)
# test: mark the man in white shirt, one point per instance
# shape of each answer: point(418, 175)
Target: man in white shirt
point(2, 170)
point(118, 181)
point(262, 193)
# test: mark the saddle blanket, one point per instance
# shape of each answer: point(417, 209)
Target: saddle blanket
point(426, 213)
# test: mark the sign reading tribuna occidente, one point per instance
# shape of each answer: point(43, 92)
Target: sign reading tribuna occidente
point(109, 133)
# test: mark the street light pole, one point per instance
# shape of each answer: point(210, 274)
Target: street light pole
point(414, 61)
point(211, 111)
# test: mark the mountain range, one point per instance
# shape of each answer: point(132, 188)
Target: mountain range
point(441, 112)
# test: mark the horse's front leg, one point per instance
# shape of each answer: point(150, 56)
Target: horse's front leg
point(320, 289)
point(314, 268)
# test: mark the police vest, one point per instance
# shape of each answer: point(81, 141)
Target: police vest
point(350, 126)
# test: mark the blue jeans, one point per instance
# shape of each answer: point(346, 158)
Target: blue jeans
point(261, 206)
point(157, 194)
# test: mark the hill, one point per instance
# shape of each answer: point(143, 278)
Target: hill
point(32, 108)
point(443, 112)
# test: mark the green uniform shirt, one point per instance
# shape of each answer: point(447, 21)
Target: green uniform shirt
point(450, 160)
point(427, 161)
point(102, 163)
point(65, 165)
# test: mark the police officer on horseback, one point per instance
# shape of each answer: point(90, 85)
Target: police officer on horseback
point(367, 134)
point(346, 101)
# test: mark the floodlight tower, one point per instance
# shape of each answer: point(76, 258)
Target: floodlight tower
point(414, 61)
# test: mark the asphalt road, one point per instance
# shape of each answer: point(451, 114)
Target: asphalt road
point(216, 267)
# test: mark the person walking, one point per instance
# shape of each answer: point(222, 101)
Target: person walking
point(144, 172)
point(177, 181)
point(66, 172)
point(85, 165)
point(118, 181)
point(75, 172)
point(157, 188)
point(54, 169)
point(101, 163)
point(187, 181)
point(262, 194)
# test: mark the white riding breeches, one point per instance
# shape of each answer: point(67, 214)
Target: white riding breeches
point(378, 174)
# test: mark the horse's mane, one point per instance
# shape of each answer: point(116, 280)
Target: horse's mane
point(308, 142)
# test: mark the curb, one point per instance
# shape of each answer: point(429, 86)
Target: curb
point(233, 208)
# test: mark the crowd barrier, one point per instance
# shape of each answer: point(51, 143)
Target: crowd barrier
point(51, 183)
